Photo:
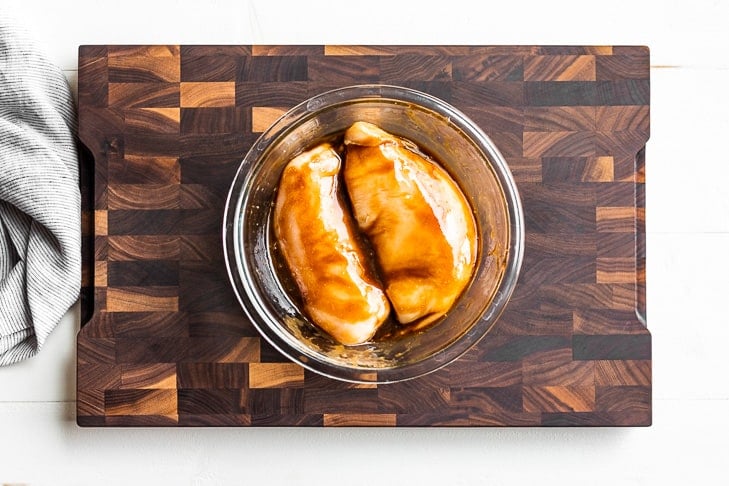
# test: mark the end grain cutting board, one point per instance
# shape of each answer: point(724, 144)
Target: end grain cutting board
point(167, 344)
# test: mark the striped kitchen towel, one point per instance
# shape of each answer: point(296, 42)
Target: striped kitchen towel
point(40, 219)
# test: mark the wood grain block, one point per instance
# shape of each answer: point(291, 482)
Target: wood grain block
point(200, 95)
point(153, 51)
point(558, 143)
point(211, 375)
point(344, 50)
point(557, 368)
point(489, 401)
point(144, 196)
point(100, 376)
point(286, 67)
point(101, 222)
point(224, 349)
point(210, 63)
point(90, 405)
point(616, 270)
point(622, 118)
point(623, 373)
point(560, 68)
point(275, 375)
point(163, 120)
point(143, 247)
point(143, 68)
point(616, 219)
point(559, 118)
point(141, 402)
point(263, 117)
point(142, 299)
point(623, 398)
point(144, 95)
point(203, 402)
point(149, 376)
point(525, 169)
point(99, 274)
point(141, 169)
point(360, 420)
point(274, 93)
point(274, 50)
point(559, 398)
point(619, 66)
point(578, 169)
point(167, 343)
point(589, 321)
point(502, 67)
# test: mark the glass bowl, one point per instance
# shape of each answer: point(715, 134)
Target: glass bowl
point(259, 277)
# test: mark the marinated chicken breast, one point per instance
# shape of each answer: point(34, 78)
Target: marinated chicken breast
point(317, 238)
point(417, 219)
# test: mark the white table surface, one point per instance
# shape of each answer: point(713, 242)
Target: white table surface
point(688, 265)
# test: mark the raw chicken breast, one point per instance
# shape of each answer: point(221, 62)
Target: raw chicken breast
point(318, 241)
point(418, 221)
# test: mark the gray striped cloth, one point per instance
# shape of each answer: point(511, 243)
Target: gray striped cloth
point(40, 221)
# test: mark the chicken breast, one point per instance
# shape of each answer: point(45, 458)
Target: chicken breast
point(317, 238)
point(418, 221)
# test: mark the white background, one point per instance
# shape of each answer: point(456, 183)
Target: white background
point(688, 265)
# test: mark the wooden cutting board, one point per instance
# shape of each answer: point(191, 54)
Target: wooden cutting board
point(166, 342)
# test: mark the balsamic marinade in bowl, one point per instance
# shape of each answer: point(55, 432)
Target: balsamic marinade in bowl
point(261, 274)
